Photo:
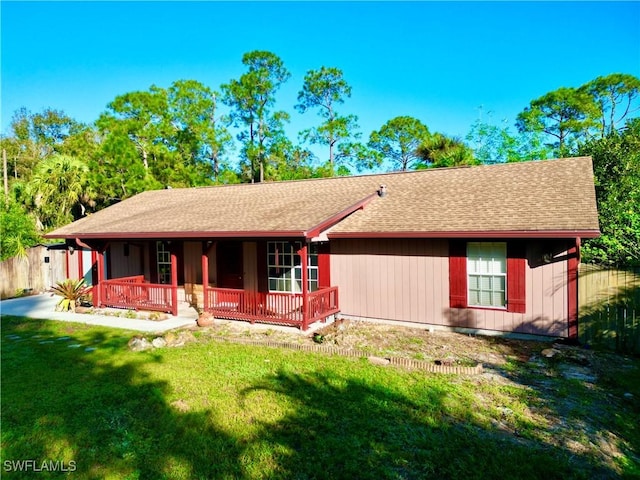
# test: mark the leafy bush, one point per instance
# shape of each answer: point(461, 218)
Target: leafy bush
point(19, 230)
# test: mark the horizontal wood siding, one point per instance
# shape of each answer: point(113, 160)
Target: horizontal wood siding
point(408, 280)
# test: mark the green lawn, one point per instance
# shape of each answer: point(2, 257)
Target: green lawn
point(215, 410)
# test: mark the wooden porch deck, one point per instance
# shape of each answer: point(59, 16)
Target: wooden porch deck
point(225, 303)
point(275, 308)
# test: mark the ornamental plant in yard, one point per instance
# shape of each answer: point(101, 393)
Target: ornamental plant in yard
point(72, 292)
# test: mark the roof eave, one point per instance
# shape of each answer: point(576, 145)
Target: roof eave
point(338, 217)
point(335, 235)
point(178, 235)
point(472, 234)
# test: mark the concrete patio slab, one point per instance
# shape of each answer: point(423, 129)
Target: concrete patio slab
point(43, 307)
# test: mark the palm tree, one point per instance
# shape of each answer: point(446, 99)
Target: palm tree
point(57, 187)
point(442, 151)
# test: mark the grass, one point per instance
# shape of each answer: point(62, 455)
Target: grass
point(217, 410)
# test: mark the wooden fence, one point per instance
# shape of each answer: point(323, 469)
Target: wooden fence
point(36, 273)
point(609, 308)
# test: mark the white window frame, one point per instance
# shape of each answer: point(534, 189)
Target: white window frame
point(487, 262)
point(284, 267)
point(163, 260)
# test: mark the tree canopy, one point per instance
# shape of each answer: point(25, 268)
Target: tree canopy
point(252, 98)
point(398, 141)
point(616, 163)
point(323, 89)
point(190, 134)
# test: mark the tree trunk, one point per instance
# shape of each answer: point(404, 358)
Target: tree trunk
point(216, 165)
point(145, 161)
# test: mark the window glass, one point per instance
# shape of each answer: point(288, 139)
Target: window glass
point(164, 262)
point(285, 270)
point(487, 274)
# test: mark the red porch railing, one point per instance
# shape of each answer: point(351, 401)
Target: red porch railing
point(272, 307)
point(133, 293)
point(321, 304)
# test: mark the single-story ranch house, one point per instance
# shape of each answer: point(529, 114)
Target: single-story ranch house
point(492, 247)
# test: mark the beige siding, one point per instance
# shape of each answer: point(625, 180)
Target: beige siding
point(250, 265)
point(213, 267)
point(408, 280)
point(391, 279)
point(72, 262)
point(193, 262)
point(121, 266)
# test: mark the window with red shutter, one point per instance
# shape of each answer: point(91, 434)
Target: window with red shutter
point(477, 274)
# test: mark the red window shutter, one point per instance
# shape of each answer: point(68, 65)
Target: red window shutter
point(457, 274)
point(324, 265)
point(516, 277)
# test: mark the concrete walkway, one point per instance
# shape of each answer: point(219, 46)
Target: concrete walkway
point(43, 307)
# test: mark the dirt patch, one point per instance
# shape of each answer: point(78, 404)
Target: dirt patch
point(383, 340)
point(504, 359)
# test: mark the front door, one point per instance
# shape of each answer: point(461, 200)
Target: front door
point(230, 266)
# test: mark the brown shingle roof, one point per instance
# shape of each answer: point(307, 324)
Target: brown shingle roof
point(544, 197)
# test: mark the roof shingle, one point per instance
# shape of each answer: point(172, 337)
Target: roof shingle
point(538, 196)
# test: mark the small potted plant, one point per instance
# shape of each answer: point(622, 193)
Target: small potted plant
point(72, 292)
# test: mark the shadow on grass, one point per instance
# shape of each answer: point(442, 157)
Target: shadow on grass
point(98, 415)
point(113, 419)
point(351, 429)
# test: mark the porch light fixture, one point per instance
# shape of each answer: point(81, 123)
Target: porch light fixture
point(383, 191)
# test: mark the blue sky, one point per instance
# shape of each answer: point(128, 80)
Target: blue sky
point(436, 61)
